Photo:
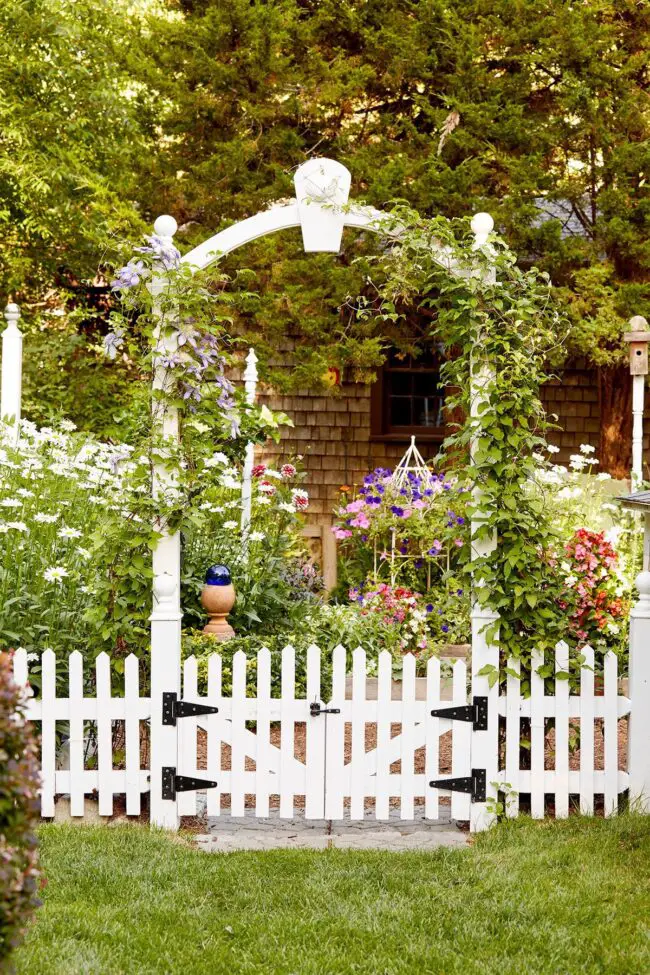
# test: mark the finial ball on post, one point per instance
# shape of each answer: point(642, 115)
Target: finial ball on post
point(12, 313)
point(165, 226)
point(482, 224)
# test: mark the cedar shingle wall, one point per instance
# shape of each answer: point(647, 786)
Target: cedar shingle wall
point(332, 433)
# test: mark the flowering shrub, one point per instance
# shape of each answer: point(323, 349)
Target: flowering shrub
point(76, 519)
point(18, 812)
point(598, 600)
point(396, 605)
point(57, 487)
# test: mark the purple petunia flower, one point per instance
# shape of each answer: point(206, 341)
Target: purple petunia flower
point(429, 607)
point(444, 628)
point(397, 510)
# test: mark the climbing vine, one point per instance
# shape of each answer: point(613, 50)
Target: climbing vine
point(499, 325)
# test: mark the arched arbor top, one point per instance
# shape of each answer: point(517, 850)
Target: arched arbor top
point(320, 209)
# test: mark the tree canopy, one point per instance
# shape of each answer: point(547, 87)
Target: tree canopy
point(535, 110)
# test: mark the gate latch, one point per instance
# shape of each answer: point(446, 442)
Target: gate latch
point(476, 712)
point(172, 783)
point(172, 708)
point(475, 784)
point(315, 708)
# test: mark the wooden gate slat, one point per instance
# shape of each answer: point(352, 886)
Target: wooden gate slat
point(461, 744)
point(335, 771)
point(407, 751)
point(213, 732)
point(262, 773)
point(382, 760)
point(187, 744)
point(237, 747)
point(432, 739)
point(287, 732)
point(358, 735)
point(315, 744)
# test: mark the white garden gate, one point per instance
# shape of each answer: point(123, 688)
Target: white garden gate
point(353, 753)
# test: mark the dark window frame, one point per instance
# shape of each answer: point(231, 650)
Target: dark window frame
point(381, 427)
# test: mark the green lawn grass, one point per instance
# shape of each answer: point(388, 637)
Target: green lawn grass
point(553, 898)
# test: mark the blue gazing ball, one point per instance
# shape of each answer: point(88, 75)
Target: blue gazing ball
point(218, 575)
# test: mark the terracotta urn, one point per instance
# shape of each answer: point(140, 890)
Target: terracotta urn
point(217, 599)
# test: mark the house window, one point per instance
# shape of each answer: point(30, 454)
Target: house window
point(408, 398)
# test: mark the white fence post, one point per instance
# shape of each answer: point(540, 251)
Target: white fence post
point(166, 615)
point(250, 383)
point(638, 743)
point(485, 745)
point(12, 367)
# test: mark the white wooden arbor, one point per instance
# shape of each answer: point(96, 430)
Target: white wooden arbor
point(321, 211)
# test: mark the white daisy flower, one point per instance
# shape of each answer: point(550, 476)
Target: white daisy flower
point(18, 526)
point(66, 532)
point(257, 536)
point(55, 573)
point(231, 525)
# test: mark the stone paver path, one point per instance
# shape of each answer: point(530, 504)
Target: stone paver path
point(226, 833)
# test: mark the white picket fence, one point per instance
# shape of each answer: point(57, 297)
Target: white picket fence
point(379, 749)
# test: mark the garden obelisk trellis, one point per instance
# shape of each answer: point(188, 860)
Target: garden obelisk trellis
point(321, 211)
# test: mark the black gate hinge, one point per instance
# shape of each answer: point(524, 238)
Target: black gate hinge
point(172, 708)
point(172, 783)
point(315, 709)
point(474, 785)
point(476, 712)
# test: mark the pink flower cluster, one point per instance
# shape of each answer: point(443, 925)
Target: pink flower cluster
point(597, 606)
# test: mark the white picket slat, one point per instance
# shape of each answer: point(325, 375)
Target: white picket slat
point(287, 732)
point(461, 743)
point(187, 744)
point(610, 730)
point(132, 733)
point(407, 751)
point(382, 774)
point(537, 735)
point(237, 749)
point(262, 766)
point(335, 772)
point(513, 735)
point(76, 743)
point(21, 676)
point(432, 739)
point(48, 732)
point(587, 732)
point(104, 734)
point(213, 731)
point(561, 732)
point(315, 744)
point(358, 735)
